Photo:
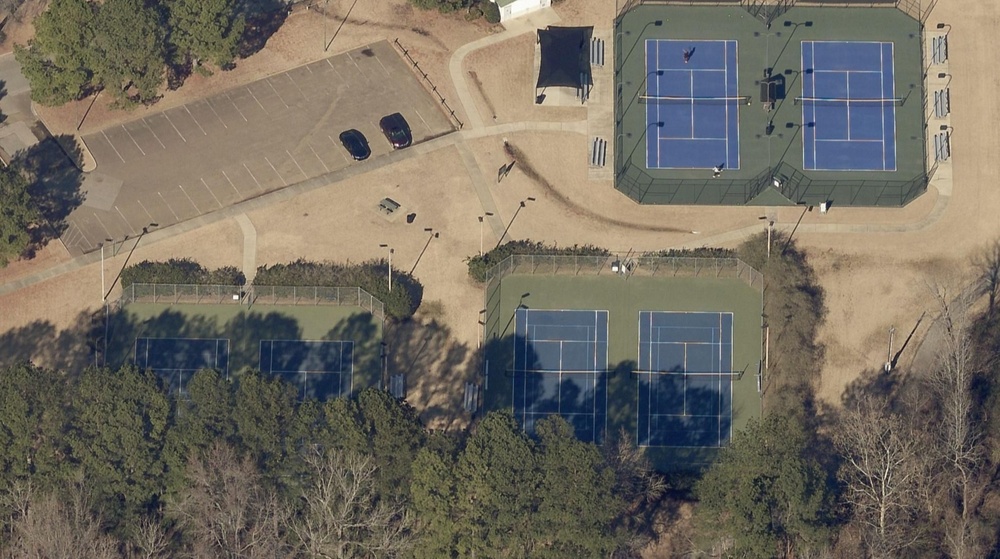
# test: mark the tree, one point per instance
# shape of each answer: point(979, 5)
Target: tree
point(342, 515)
point(32, 422)
point(204, 417)
point(119, 423)
point(883, 475)
point(497, 483)
point(61, 526)
point(59, 62)
point(965, 473)
point(17, 214)
point(394, 432)
point(433, 494)
point(205, 30)
point(129, 50)
point(766, 496)
point(577, 506)
point(263, 411)
point(225, 510)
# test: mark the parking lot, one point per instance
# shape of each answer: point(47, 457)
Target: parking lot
point(203, 156)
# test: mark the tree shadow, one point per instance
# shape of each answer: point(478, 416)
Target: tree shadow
point(263, 19)
point(70, 349)
point(52, 166)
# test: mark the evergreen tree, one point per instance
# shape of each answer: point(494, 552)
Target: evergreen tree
point(205, 31)
point(129, 50)
point(17, 214)
point(59, 61)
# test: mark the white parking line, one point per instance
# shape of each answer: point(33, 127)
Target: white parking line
point(231, 183)
point(341, 152)
point(108, 233)
point(276, 171)
point(295, 84)
point(196, 123)
point(112, 146)
point(268, 81)
point(236, 107)
point(195, 206)
point(129, 225)
point(212, 193)
point(310, 69)
point(320, 159)
point(153, 133)
point(422, 119)
point(384, 69)
point(151, 218)
point(258, 100)
point(175, 128)
point(133, 139)
point(168, 207)
point(209, 103)
point(251, 176)
point(296, 164)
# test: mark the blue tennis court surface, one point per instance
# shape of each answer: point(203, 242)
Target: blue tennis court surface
point(848, 110)
point(692, 116)
point(685, 391)
point(321, 369)
point(560, 368)
point(177, 359)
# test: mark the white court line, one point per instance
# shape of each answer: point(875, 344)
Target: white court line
point(175, 128)
point(133, 140)
point(847, 79)
point(320, 158)
point(196, 123)
point(148, 127)
point(112, 146)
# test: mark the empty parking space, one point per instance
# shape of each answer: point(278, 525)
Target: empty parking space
point(190, 160)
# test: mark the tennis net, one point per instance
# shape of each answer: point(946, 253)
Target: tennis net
point(668, 100)
point(889, 101)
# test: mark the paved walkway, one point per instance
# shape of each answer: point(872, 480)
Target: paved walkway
point(249, 247)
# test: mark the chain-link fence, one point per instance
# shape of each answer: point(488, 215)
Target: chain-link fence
point(331, 296)
point(170, 293)
point(627, 265)
point(182, 293)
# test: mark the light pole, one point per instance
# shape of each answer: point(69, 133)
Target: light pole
point(141, 235)
point(943, 26)
point(520, 206)
point(657, 23)
point(481, 219)
point(390, 264)
point(636, 146)
point(104, 299)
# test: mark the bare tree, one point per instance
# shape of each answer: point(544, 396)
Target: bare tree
point(987, 263)
point(884, 475)
point(149, 541)
point(54, 526)
point(958, 448)
point(226, 511)
point(342, 516)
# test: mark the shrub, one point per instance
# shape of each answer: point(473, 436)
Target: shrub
point(479, 266)
point(701, 252)
point(491, 12)
point(372, 276)
point(180, 270)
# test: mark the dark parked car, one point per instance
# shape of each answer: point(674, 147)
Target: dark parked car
point(396, 130)
point(356, 144)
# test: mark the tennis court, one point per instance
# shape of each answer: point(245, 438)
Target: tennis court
point(848, 106)
point(692, 104)
point(319, 368)
point(684, 381)
point(560, 368)
point(176, 359)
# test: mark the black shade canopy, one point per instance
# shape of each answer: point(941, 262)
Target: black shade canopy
point(565, 55)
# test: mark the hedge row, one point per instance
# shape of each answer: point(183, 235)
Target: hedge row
point(479, 266)
point(180, 270)
point(702, 252)
point(372, 276)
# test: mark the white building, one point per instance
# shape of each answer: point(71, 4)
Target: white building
point(516, 8)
